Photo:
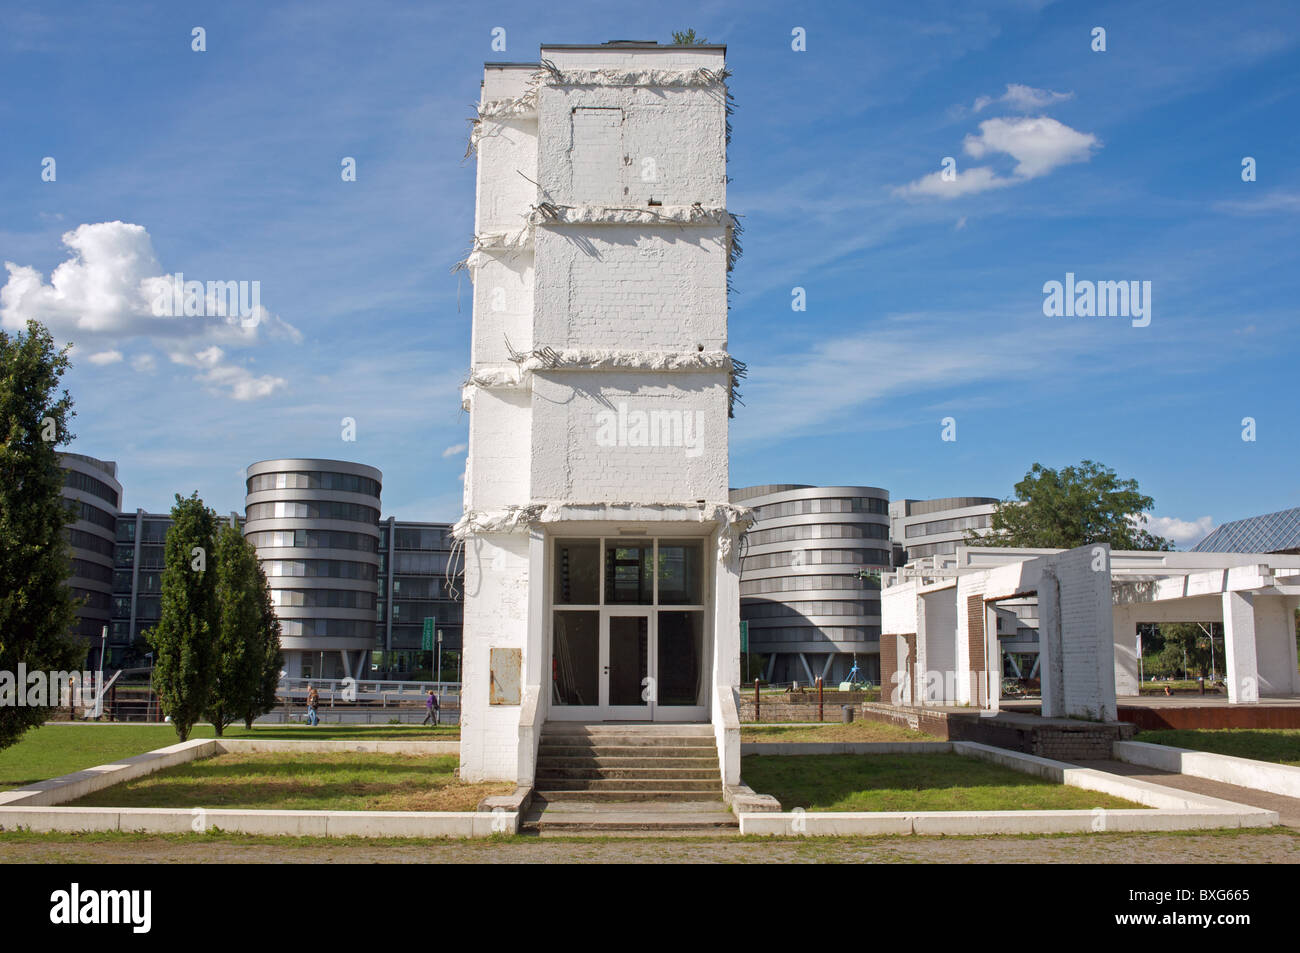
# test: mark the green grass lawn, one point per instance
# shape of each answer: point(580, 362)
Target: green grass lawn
point(913, 782)
point(303, 782)
point(855, 731)
point(58, 749)
point(1280, 745)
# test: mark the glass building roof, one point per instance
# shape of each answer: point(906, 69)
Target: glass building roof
point(1270, 533)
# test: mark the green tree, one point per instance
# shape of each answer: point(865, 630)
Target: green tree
point(184, 640)
point(270, 657)
point(688, 38)
point(239, 643)
point(1187, 649)
point(37, 609)
point(1074, 506)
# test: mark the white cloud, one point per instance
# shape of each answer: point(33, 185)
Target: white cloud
point(102, 296)
point(455, 449)
point(239, 382)
point(1182, 532)
point(1022, 98)
point(1038, 146)
point(971, 182)
point(961, 224)
point(144, 363)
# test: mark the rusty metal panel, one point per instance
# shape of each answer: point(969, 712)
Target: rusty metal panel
point(506, 674)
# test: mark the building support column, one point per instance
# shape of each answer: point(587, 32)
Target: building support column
point(1239, 648)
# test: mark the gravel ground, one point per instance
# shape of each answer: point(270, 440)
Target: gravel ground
point(1275, 846)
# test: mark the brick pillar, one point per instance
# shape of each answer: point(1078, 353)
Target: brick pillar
point(888, 667)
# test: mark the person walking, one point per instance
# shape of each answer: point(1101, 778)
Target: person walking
point(313, 702)
point(431, 709)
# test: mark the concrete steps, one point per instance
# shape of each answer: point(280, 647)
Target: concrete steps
point(640, 818)
point(607, 764)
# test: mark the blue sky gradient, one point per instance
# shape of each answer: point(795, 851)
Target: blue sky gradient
point(919, 306)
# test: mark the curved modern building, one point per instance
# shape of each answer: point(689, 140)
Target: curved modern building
point(315, 525)
point(91, 486)
point(923, 528)
point(809, 609)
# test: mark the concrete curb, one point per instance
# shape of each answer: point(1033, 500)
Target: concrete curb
point(1283, 779)
point(959, 823)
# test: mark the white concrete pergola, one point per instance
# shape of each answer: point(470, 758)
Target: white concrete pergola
point(941, 618)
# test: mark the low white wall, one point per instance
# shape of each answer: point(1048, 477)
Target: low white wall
point(69, 787)
point(458, 824)
point(1281, 779)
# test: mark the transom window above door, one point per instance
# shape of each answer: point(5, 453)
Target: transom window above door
point(617, 571)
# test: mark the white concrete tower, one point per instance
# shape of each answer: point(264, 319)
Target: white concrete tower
point(601, 571)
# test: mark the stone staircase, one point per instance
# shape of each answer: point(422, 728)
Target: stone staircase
point(633, 777)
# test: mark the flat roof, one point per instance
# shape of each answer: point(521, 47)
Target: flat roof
point(634, 45)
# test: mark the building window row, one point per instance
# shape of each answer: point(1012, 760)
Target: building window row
point(323, 598)
point(335, 568)
point(313, 539)
point(416, 563)
point(87, 570)
point(855, 504)
point(982, 521)
point(815, 633)
point(933, 549)
point(755, 587)
point(315, 509)
point(80, 539)
point(418, 538)
point(81, 510)
point(818, 557)
point(817, 607)
point(327, 628)
point(430, 587)
point(314, 480)
point(787, 534)
point(81, 481)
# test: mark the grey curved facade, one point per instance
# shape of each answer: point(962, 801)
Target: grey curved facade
point(922, 528)
point(92, 489)
point(808, 609)
point(315, 525)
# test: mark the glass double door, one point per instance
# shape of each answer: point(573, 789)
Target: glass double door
point(628, 664)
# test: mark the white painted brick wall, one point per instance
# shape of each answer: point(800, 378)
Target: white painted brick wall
point(500, 434)
point(496, 613)
point(572, 412)
point(630, 287)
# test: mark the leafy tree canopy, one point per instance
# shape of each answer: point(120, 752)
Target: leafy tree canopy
point(1073, 506)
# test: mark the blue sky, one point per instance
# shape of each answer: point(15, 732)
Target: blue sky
point(924, 297)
